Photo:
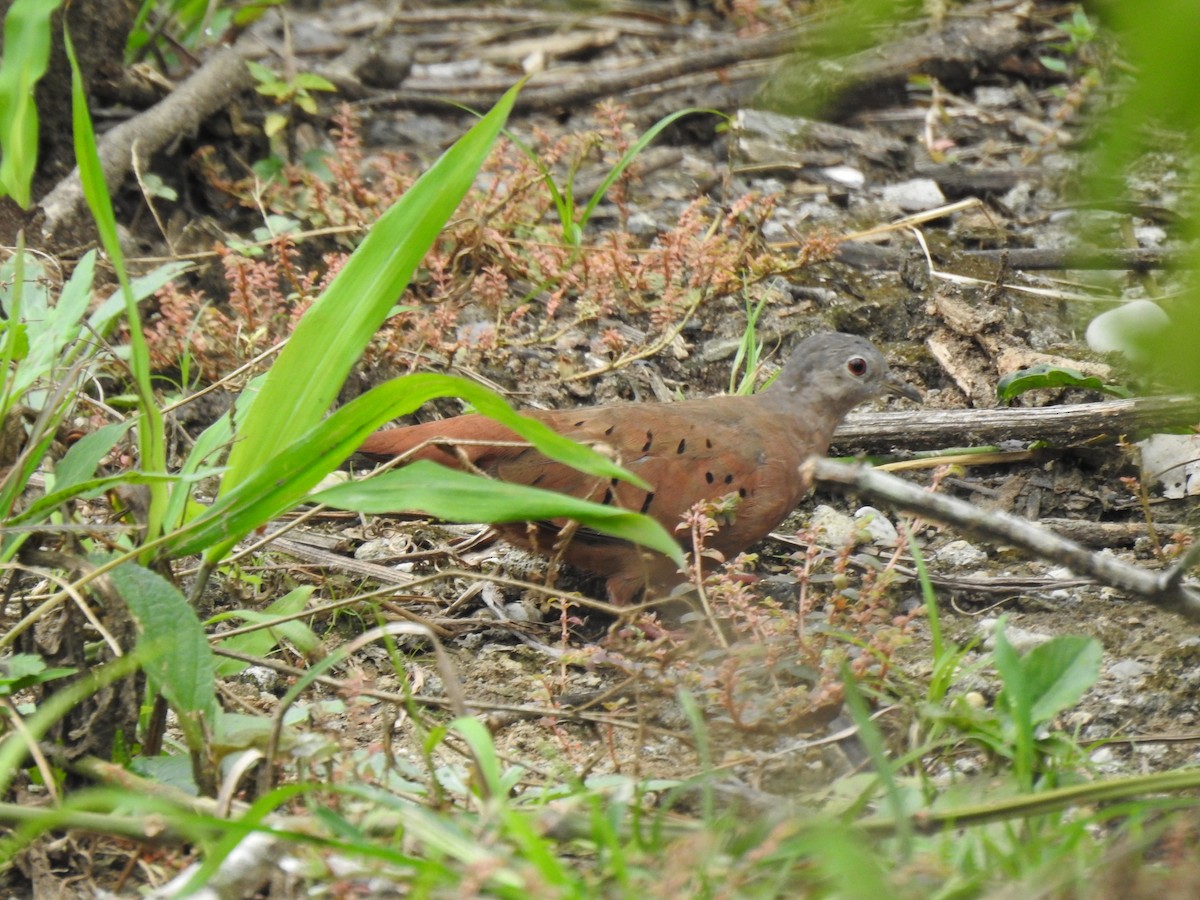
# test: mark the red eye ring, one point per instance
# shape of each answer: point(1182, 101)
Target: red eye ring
point(856, 366)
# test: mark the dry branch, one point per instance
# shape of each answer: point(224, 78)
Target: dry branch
point(1037, 258)
point(211, 87)
point(1166, 589)
point(927, 429)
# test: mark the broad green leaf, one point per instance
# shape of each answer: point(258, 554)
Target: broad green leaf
point(16, 341)
point(260, 72)
point(260, 643)
point(173, 771)
point(184, 673)
point(39, 332)
point(331, 335)
point(79, 463)
point(434, 490)
point(23, 670)
point(238, 731)
point(1047, 376)
point(313, 82)
point(274, 123)
point(1059, 672)
point(1016, 701)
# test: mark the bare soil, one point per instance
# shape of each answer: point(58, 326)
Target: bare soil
point(593, 692)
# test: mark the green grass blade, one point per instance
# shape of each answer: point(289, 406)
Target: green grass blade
point(86, 490)
point(15, 344)
point(332, 334)
point(26, 56)
point(151, 439)
point(51, 325)
point(1016, 701)
point(434, 490)
point(631, 154)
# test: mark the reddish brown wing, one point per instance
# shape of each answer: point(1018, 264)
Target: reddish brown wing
point(702, 450)
point(480, 439)
point(688, 451)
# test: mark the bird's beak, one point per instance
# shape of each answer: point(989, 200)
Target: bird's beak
point(893, 385)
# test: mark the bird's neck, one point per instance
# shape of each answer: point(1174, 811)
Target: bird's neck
point(807, 410)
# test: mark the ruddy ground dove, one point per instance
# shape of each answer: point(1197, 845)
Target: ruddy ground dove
point(689, 451)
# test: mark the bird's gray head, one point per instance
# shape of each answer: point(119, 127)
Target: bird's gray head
point(840, 370)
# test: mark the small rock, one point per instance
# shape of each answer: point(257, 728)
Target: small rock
point(914, 195)
point(877, 527)
point(261, 677)
point(770, 186)
point(387, 61)
point(1022, 639)
point(847, 176)
point(459, 69)
point(910, 604)
point(1128, 670)
point(642, 224)
point(1150, 752)
point(1150, 235)
point(775, 231)
point(832, 528)
point(522, 611)
point(1018, 197)
point(969, 765)
point(995, 97)
point(960, 555)
point(382, 549)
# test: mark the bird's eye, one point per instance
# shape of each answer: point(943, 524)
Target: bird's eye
point(856, 366)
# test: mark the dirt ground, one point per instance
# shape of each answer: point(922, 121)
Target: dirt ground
point(875, 183)
point(1004, 134)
